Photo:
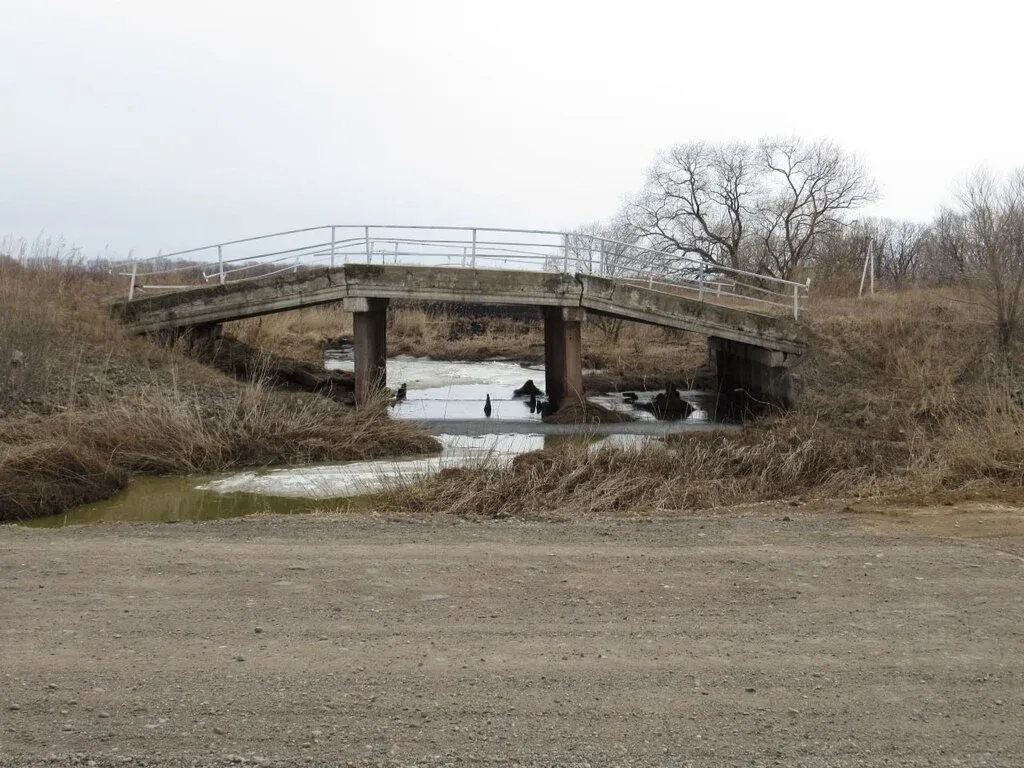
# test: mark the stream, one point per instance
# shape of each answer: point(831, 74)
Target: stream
point(444, 396)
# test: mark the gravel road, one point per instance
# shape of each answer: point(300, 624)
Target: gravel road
point(834, 638)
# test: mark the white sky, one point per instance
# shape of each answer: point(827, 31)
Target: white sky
point(163, 125)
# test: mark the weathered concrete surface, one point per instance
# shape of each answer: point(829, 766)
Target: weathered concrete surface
point(370, 326)
point(563, 353)
point(631, 302)
point(763, 373)
point(209, 305)
point(469, 286)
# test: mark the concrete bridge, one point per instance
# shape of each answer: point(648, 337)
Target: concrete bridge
point(753, 346)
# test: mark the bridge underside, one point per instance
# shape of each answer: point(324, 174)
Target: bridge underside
point(752, 350)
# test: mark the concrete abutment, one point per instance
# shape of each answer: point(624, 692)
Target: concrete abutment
point(760, 372)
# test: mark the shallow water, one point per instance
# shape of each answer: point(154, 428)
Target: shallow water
point(440, 390)
point(446, 397)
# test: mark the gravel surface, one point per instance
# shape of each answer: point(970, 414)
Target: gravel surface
point(759, 637)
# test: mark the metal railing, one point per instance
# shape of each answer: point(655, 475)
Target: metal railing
point(465, 247)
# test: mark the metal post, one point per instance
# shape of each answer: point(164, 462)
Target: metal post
point(864, 272)
point(700, 292)
point(473, 263)
point(396, 252)
point(131, 286)
point(369, 255)
point(464, 251)
point(872, 270)
point(220, 264)
point(333, 241)
point(565, 253)
point(796, 302)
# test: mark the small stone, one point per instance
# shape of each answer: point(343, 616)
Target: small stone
point(999, 702)
point(317, 733)
point(103, 714)
point(218, 730)
point(14, 707)
point(239, 658)
point(258, 630)
point(68, 727)
point(52, 686)
point(751, 690)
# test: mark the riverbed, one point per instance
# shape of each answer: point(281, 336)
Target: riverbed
point(446, 397)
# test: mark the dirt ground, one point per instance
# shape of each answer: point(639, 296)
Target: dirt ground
point(765, 636)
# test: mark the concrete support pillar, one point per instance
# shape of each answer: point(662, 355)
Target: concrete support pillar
point(370, 342)
point(563, 354)
point(762, 373)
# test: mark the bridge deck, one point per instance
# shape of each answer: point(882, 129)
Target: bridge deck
point(210, 305)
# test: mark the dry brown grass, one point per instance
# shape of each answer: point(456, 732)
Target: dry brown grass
point(301, 334)
point(88, 405)
point(906, 395)
point(83, 455)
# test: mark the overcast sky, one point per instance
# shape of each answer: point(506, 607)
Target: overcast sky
point(163, 125)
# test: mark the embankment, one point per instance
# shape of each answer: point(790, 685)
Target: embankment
point(84, 405)
point(906, 396)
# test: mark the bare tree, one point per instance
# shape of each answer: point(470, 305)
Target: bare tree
point(696, 201)
point(945, 258)
point(899, 247)
point(810, 188)
point(739, 206)
point(993, 214)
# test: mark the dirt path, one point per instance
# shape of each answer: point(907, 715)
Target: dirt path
point(743, 639)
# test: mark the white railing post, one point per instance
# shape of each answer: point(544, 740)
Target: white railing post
point(369, 255)
point(131, 285)
point(396, 252)
point(333, 241)
point(220, 263)
point(796, 302)
point(473, 262)
point(464, 252)
point(700, 292)
point(565, 253)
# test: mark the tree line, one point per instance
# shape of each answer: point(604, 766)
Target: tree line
point(788, 208)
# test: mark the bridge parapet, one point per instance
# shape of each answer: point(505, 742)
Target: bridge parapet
point(477, 248)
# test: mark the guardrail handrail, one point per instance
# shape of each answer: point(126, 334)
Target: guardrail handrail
point(553, 250)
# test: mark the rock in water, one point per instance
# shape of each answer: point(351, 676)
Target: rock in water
point(529, 388)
